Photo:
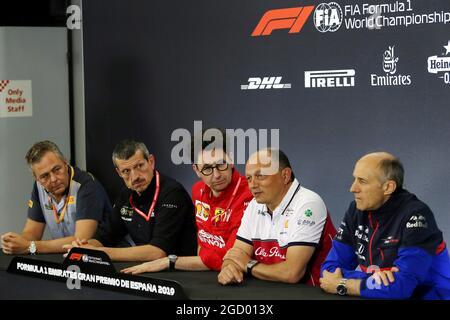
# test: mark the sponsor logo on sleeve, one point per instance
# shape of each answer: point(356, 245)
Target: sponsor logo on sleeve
point(417, 221)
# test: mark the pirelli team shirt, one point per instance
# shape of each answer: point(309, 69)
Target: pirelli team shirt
point(216, 226)
point(87, 200)
point(301, 219)
point(171, 226)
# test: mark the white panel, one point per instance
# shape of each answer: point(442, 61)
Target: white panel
point(37, 54)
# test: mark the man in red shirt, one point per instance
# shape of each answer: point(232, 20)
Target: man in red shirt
point(220, 198)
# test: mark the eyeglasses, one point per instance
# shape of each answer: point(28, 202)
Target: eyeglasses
point(208, 170)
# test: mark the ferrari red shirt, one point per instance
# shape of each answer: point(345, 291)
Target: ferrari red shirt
point(218, 218)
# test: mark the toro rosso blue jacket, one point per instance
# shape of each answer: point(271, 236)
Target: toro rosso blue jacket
point(401, 233)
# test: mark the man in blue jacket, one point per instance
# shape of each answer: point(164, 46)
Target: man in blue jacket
point(391, 235)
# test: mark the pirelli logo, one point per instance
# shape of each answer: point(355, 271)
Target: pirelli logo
point(330, 78)
point(289, 18)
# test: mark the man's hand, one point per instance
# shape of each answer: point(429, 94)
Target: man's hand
point(239, 257)
point(13, 243)
point(387, 276)
point(330, 280)
point(152, 266)
point(230, 274)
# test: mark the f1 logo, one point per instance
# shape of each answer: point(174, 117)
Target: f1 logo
point(289, 18)
point(76, 256)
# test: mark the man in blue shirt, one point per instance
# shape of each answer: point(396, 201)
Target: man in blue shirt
point(69, 201)
point(391, 235)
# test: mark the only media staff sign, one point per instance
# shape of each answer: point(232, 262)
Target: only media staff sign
point(15, 98)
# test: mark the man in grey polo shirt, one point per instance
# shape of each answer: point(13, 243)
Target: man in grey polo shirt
point(69, 201)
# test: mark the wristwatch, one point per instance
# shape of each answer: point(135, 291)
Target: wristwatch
point(250, 265)
point(172, 259)
point(32, 248)
point(342, 287)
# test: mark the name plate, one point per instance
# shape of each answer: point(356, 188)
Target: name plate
point(93, 268)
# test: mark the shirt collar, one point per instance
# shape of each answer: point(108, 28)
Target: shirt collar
point(286, 199)
point(392, 204)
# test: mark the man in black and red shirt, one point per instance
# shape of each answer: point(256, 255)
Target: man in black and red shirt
point(155, 213)
point(220, 198)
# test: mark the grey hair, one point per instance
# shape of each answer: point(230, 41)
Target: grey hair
point(392, 169)
point(125, 149)
point(39, 149)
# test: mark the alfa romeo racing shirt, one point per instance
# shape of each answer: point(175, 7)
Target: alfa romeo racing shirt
point(301, 219)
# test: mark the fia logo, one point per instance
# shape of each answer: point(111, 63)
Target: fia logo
point(328, 17)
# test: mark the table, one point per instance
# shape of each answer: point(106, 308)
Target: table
point(198, 285)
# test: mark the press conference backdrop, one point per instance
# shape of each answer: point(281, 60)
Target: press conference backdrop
point(335, 84)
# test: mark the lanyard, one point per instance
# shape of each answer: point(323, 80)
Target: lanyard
point(234, 194)
point(155, 197)
point(66, 202)
point(215, 219)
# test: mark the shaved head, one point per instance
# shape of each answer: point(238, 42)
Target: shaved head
point(378, 156)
